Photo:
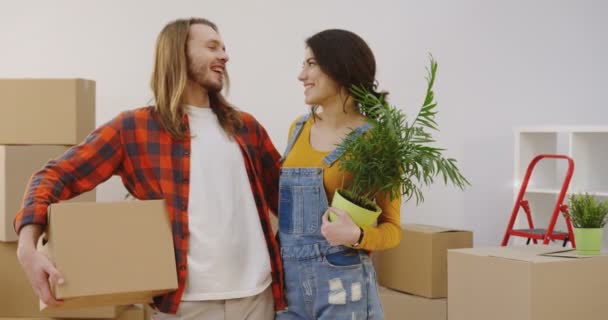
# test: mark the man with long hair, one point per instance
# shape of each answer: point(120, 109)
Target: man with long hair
point(214, 165)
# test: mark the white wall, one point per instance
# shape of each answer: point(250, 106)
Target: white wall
point(501, 64)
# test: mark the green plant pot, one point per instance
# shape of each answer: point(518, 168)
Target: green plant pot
point(361, 216)
point(588, 241)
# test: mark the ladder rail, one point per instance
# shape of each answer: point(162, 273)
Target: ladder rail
point(549, 234)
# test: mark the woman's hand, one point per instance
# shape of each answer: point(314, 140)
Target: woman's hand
point(342, 231)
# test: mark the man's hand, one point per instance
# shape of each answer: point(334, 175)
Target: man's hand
point(37, 266)
point(342, 231)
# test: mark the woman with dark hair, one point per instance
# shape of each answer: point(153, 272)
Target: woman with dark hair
point(328, 271)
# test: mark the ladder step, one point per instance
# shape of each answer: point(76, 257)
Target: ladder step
point(542, 231)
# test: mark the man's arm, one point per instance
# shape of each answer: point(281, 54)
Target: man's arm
point(37, 267)
point(269, 159)
point(80, 169)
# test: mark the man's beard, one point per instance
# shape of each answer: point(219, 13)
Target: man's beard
point(201, 78)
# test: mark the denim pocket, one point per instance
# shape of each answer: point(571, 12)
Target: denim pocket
point(285, 210)
point(342, 259)
point(342, 289)
point(299, 209)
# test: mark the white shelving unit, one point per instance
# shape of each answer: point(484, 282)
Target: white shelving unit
point(587, 146)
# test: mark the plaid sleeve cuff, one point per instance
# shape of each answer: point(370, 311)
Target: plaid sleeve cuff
point(36, 214)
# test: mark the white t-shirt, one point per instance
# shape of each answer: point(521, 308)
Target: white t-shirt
point(227, 255)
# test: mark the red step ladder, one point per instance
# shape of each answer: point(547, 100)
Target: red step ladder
point(548, 234)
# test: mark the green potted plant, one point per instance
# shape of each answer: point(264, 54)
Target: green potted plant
point(588, 217)
point(394, 157)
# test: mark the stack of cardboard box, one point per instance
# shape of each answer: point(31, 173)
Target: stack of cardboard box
point(413, 275)
point(40, 119)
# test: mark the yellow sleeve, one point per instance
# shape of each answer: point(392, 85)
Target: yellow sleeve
point(387, 234)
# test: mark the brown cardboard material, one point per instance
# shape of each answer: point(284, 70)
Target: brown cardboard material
point(127, 313)
point(17, 298)
point(46, 111)
point(148, 311)
point(398, 306)
point(418, 265)
point(526, 283)
point(17, 164)
point(132, 313)
point(111, 253)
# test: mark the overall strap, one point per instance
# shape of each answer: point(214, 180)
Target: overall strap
point(294, 134)
point(331, 158)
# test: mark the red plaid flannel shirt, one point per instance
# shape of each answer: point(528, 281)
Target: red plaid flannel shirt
point(152, 165)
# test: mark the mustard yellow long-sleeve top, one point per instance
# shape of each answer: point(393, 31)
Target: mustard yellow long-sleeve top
point(387, 233)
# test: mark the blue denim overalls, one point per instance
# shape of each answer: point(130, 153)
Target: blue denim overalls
point(322, 281)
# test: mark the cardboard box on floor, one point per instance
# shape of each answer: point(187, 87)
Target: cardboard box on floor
point(526, 283)
point(398, 306)
point(148, 311)
point(17, 298)
point(46, 111)
point(17, 164)
point(111, 253)
point(129, 313)
point(418, 265)
point(132, 313)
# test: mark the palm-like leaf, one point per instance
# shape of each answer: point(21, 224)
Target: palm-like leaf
point(395, 157)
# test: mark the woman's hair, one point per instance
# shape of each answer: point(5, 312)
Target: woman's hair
point(346, 58)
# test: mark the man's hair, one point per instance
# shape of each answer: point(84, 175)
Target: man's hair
point(170, 77)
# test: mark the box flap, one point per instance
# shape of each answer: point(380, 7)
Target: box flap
point(531, 253)
point(571, 253)
point(477, 251)
point(428, 228)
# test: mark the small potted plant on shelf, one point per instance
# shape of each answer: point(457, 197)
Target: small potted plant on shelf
point(588, 217)
point(394, 157)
